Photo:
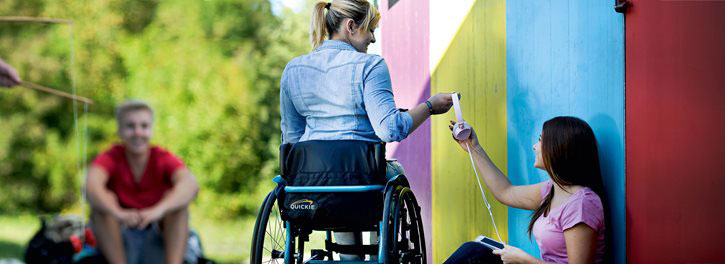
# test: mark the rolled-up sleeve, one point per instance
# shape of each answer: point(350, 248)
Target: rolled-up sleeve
point(292, 123)
point(389, 123)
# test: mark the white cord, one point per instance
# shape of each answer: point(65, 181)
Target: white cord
point(81, 149)
point(488, 205)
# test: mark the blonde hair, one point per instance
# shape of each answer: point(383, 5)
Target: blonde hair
point(324, 24)
point(132, 105)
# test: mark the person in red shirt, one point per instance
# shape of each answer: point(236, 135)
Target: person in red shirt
point(134, 184)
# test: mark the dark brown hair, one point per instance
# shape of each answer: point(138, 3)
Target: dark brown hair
point(569, 152)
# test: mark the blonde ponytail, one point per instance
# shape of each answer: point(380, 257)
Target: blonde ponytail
point(318, 28)
point(324, 23)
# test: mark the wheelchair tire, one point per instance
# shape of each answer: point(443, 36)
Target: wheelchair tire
point(270, 237)
point(405, 238)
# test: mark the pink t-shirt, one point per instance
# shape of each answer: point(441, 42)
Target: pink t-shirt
point(584, 206)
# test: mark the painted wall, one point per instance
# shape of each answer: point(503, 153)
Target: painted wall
point(517, 64)
point(404, 29)
point(675, 118)
point(468, 56)
point(565, 58)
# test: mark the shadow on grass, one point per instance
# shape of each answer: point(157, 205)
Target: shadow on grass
point(11, 250)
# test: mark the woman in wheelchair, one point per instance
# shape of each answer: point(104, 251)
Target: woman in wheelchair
point(336, 106)
point(568, 222)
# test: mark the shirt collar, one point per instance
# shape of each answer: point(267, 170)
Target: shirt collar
point(336, 44)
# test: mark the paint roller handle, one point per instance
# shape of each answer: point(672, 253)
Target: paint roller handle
point(441, 103)
point(472, 139)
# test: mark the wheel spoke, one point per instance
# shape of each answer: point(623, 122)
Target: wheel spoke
point(279, 237)
point(274, 240)
point(280, 228)
point(274, 227)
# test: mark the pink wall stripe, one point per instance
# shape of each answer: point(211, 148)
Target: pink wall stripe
point(405, 45)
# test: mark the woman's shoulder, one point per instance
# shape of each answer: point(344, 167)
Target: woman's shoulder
point(297, 60)
point(368, 60)
point(327, 58)
point(587, 195)
point(583, 198)
point(545, 188)
point(374, 59)
point(583, 206)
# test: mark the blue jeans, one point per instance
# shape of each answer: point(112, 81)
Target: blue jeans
point(393, 168)
point(473, 252)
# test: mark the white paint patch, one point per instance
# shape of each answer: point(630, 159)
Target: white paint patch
point(446, 18)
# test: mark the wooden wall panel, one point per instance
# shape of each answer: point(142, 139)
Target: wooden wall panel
point(468, 56)
point(565, 58)
point(675, 118)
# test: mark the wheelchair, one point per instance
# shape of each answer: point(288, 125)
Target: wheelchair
point(337, 186)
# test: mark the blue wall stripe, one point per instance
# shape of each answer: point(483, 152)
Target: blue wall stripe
point(565, 58)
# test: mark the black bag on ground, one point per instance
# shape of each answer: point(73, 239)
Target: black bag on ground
point(50, 244)
point(333, 163)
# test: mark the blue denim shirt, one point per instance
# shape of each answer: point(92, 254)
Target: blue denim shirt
point(338, 93)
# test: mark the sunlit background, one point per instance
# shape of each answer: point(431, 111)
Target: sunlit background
point(210, 68)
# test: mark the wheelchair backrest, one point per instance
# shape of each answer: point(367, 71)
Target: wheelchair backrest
point(333, 163)
point(343, 158)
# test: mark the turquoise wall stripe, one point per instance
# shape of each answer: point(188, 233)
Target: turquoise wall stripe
point(565, 58)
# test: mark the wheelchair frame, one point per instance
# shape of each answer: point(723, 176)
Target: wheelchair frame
point(401, 236)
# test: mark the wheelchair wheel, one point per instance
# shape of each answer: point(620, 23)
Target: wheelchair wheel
point(406, 241)
point(270, 238)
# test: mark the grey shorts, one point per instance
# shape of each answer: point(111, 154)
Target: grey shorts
point(147, 245)
point(143, 245)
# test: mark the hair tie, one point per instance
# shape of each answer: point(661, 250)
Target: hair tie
point(328, 6)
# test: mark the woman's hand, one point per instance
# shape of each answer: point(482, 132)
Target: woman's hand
point(511, 254)
point(8, 76)
point(441, 103)
point(472, 140)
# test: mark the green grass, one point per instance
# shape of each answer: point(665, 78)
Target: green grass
point(224, 241)
point(15, 232)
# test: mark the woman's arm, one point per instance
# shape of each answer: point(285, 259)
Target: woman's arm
point(511, 254)
point(391, 124)
point(441, 103)
point(581, 242)
point(291, 122)
point(524, 196)
point(580, 248)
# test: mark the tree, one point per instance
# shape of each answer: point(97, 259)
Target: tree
point(210, 68)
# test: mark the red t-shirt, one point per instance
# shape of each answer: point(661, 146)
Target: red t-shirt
point(155, 181)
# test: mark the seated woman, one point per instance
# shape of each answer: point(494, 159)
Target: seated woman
point(568, 222)
point(339, 92)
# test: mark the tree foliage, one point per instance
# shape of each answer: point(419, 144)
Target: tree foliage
point(209, 68)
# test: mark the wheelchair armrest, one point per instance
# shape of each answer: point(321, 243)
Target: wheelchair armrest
point(279, 180)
